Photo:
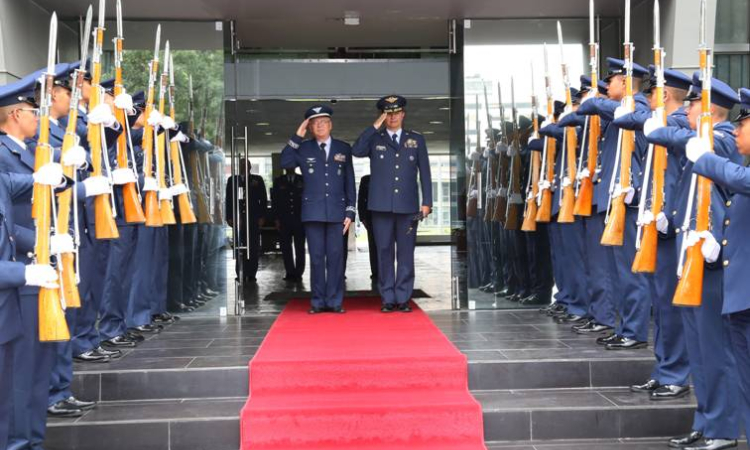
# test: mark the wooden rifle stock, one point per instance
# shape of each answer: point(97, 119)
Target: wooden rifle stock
point(569, 195)
point(151, 199)
point(529, 217)
point(614, 230)
point(544, 212)
point(501, 196)
point(514, 192)
point(489, 210)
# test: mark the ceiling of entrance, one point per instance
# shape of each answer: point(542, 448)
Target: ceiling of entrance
point(316, 24)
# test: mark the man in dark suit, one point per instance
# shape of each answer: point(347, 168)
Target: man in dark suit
point(249, 209)
point(366, 217)
point(286, 204)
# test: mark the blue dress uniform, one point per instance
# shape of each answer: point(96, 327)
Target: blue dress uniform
point(328, 197)
point(635, 290)
point(735, 252)
point(12, 277)
point(394, 199)
point(253, 206)
point(286, 204)
point(540, 262)
point(707, 335)
point(672, 367)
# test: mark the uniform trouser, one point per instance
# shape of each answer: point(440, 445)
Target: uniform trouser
point(635, 290)
point(118, 283)
point(395, 255)
point(326, 263)
point(372, 251)
point(559, 268)
point(6, 389)
point(62, 369)
point(32, 366)
point(474, 256)
point(157, 298)
point(485, 247)
point(499, 256)
point(189, 266)
point(518, 263)
point(712, 364)
point(293, 234)
point(202, 250)
point(249, 257)
point(179, 265)
point(572, 237)
point(93, 256)
point(740, 323)
point(672, 365)
point(540, 262)
point(600, 278)
point(215, 262)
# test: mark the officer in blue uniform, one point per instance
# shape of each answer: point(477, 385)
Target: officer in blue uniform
point(669, 379)
point(397, 156)
point(286, 205)
point(634, 290)
point(735, 246)
point(328, 200)
point(707, 332)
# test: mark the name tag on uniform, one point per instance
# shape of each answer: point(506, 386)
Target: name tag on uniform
point(339, 157)
point(411, 143)
point(380, 148)
point(241, 193)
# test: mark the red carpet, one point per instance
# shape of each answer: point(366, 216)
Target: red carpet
point(362, 380)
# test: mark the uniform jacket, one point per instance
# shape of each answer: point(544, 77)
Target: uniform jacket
point(286, 199)
point(394, 170)
point(258, 200)
point(328, 194)
point(362, 196)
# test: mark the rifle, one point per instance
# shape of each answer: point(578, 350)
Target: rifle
point(69, 277)
point(175, 152)
point(131, 197)
point(105, 225)
point(491, 164)
point(585, 194)
point(514, 184)
point(689, 290)
point(647, 240)
point(501, 202)
point(532, 186)
point(52, 325)
point(151, 204)
point(165, 195)
point(544, 212)
point(614, 230)
point(569, 145)
point(204, 116)
point(475, 182)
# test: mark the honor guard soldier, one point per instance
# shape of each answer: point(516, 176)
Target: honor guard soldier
point(399, 163)
point(669, 379)
point(328, 199)
point(286, 205)
point(707, 333)
point(735, 245)
point(252, 201)
point(365, 216)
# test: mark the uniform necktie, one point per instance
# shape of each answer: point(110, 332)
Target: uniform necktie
point(395, 138)
point(323, 147)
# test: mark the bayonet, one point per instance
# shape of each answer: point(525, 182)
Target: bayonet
point(52, 47)
point(119, 20)
point(86, 35)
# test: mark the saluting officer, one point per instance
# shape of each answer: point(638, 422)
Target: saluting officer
point(328, 199)
point(286, 204)
point(735, 245)
point(397, 158)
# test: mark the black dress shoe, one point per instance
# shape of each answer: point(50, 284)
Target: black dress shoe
point(134, 336)
point(570, 318)
point(505, 292)
point(80, 404)
point(646, 388)
point(149, 328)
point(713, 444)
point(91, 357)
point(604, 340)
point(315, 310)
point(388, 307)
point(114, 354)
point(62, 409)
point(684, 441)
point(337, 310)
point(558, 310)
point(534, 300)
point(119, 341)
point(593, 327)
point(669, 392)
point(404, 308)
point(626, 344)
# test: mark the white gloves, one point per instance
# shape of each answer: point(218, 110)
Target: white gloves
point(512, 150)
point(165, 194)
point(710, 248)
point(646, 219)
point(628, 192)
point(179, 189)
point(486, 153)
point(546, 122)
point(584, 173)
point(61, 243)
point(501, 148)
point(150, 184)
point(651, 125)
point(125, 102)
point(622, 111)
point(662, 224)
point(42, 275)
point(566, 182)
point(180, 137)
point(473, 194)
point(696, 147)
point(475, 156)
point(50, 174)
point(75, 156)
point(97, 186)
point(532, 137)
point(154, 119)
point(167, 122)
point(544, 184)
point(102, 115)
point(123, 176)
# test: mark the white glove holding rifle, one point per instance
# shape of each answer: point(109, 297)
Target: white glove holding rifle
point(97, 186)
point(75, 156)
point(50, 174)
point(41, 275)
